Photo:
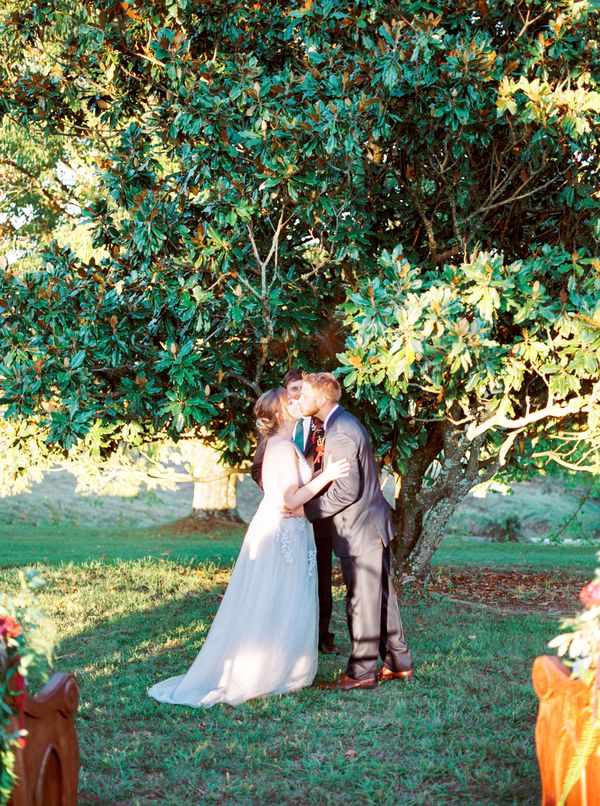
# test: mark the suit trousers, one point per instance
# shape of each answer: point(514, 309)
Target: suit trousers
point(324, 543)
point(373, 616)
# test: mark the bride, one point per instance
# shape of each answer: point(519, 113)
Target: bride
point(263, 639)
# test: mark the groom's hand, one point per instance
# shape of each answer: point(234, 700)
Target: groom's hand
point(293, 513)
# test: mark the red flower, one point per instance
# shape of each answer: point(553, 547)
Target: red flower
point(590, 594)
point(18, 691)
point(9, 627)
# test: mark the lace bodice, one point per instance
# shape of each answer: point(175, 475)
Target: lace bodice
point(304, 469)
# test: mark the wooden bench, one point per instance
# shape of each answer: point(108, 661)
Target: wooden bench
point(48, 765)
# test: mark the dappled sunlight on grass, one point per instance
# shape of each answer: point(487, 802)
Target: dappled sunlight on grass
point(462, 732)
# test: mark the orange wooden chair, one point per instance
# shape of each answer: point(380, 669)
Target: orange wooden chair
point(564, 710)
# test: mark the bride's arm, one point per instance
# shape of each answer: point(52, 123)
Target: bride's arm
point(295, 494)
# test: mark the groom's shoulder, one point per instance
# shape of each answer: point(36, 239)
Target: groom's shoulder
point(347, 423)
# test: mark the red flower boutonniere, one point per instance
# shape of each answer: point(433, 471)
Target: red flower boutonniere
point(317, 438)
point(319, 449)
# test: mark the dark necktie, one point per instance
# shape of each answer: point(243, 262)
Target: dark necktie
point(317, 441)
point(299, 436)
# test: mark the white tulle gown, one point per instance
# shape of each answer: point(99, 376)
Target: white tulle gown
point(263, 639)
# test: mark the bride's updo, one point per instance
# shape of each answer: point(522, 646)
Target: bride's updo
point(270, 411)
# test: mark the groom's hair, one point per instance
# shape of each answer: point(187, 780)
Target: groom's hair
point(292, 375)
point(325, 383)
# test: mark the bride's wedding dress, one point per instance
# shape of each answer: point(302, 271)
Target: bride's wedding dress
point(263, 639)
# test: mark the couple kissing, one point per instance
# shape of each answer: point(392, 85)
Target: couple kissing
point(322, 490)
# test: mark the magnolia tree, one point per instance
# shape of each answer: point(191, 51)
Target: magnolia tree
point(473, 367)
point(409, 186)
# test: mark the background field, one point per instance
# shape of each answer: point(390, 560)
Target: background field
point(540, 508)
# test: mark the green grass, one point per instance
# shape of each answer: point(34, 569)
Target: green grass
point(133, 605)
point(462, 733)
point(525, 556)
point(52, 545)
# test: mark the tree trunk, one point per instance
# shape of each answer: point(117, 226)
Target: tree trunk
point(431, 536)
point(215, 485)
point(408, 514)
point(439, 475)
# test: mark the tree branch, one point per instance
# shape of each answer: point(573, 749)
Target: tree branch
point(528, 22)
point(515, 197)
point(250, 384)
point(555, 457)
point(52, 198)
point(557, 411)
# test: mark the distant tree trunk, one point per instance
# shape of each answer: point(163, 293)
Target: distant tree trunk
point(215, 485)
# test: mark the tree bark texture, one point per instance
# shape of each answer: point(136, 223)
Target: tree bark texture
point(427, 500)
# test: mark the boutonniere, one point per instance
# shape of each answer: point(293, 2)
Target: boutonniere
point(319, 449)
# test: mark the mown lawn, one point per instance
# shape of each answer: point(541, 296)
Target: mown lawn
point(462, 733)
point(53, 545)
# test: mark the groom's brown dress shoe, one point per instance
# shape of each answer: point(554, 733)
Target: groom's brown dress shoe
point(386, 674)
point(347, 683)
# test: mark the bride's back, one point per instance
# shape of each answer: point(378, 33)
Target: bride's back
point(280, 456)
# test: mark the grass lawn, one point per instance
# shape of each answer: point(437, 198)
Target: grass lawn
point(524, 556)
point(462, 733)
point(52, 545)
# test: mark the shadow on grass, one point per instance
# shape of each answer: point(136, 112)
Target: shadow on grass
point(462, 733)
point(161, 640)
point(155, 642)
point(465, 728)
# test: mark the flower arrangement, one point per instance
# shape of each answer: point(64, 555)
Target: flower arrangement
point(25, 639)
point(579, 646)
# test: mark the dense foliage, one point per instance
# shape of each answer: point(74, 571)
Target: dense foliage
point(416, 181)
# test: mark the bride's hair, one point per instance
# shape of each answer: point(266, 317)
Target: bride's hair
point(270, 410)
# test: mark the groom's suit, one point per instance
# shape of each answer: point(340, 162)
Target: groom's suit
point(323, 541)
point(362, 532)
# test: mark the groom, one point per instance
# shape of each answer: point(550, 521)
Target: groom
point(362, 531)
